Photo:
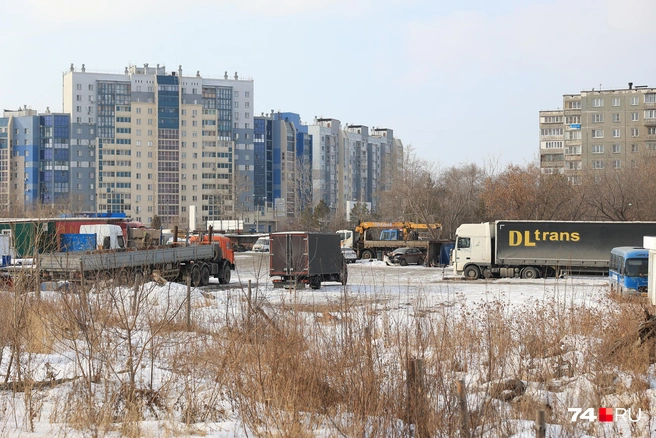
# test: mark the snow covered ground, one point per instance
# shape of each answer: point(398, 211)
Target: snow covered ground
point(401, 293)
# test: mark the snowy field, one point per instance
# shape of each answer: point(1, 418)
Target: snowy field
point(402, 295)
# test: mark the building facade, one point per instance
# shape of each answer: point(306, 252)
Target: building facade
point(34, 159)
point(598, 129)
point(157, 142)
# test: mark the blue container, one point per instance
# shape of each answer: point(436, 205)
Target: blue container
point(77, 242)
point(6, 260)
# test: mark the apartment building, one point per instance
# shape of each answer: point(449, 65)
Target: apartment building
point(34, 159)
point(598, 129)
point(152, 142)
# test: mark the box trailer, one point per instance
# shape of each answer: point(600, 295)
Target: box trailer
point(531, 249)
point(300, 258)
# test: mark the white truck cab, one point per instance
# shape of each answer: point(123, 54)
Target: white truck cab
point(474, 246)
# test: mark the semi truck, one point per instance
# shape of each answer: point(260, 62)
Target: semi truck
point(174, 263)
point(532, 249)
point(301, 258)
point(372, 238)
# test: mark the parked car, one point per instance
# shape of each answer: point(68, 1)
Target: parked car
point(349, 255)
point(261, 245)
point(404, 256)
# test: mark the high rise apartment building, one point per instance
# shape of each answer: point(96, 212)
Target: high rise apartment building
point(598, 129)
point(155, 142)
point(34, 158)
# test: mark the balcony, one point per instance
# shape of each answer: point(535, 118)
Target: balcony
point(573, 112)
point(650, 105)
point(576, 142)
point(650, 122)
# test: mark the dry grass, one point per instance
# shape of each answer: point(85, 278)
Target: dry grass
point(293, 369)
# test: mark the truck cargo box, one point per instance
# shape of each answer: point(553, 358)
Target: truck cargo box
point(575, 244)
point(306, 257)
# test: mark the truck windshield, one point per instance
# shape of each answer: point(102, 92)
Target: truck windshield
point(120, 242)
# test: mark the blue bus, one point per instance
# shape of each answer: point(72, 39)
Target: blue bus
point(628, 269)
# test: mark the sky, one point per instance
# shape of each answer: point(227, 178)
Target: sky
point(459, 82)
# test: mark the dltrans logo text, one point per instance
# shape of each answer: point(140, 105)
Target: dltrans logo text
point(528, 238)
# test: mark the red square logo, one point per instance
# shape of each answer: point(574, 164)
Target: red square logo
point(606, 415)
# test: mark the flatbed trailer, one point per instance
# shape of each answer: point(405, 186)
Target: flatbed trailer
point(172, 263)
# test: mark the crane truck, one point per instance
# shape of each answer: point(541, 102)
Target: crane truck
point(370, 238)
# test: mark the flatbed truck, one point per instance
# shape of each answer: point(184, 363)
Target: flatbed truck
point(172, 263)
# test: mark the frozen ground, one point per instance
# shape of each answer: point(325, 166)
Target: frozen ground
point(400, 291)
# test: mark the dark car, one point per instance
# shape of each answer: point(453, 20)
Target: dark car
point(404, 256)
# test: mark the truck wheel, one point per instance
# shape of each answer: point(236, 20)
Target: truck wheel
point(367, 254)
point(224, 276)
point(530, 272)
point(205, 275)
point(195, 276)
point(472, 273)
point(315, 282)
point(403, 262)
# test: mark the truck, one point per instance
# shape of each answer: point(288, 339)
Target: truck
point(533, 249)
point(301, 258)
point(200, 261)
point(368, 242)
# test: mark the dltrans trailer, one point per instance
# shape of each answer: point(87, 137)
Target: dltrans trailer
point(532, 249)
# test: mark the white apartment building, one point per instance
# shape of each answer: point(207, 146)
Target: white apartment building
point(150, 141)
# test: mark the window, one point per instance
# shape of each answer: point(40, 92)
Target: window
point(635, 100)
point(635, 117)
point(150, 110)
point(597, 133)
point(598, 149)
point(651, 131)
point(616, 117)
point(90, 87)
point(616, 164)
point(650, 114)
point(573, 104)
point(616, 133)
point(79, 86)
point(597, 118)
point(78, 98)
point(615, 101)
point(597, 164)
point(597, 102)
point(617, 148)
point(634, 148)
point(635, 132)
point(650, 98)
point(247, 94)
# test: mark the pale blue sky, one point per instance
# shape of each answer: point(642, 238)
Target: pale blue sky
point(462, 82)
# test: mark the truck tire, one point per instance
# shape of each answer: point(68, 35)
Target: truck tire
point(472, 272)
point(195, 276)
point(315, 282)
point(205, 275)
point(224, 275)
point(530, 272)
point(367, 254)
point(218, 254)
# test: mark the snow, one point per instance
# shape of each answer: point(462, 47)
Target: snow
point(400, 292)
